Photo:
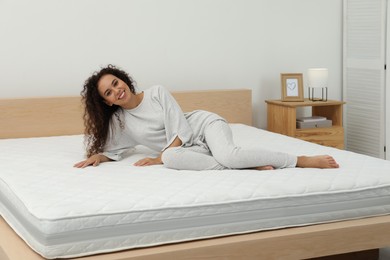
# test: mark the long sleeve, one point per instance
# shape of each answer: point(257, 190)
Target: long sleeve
point(175, 123)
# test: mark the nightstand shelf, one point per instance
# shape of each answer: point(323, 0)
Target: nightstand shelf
point(281, 118)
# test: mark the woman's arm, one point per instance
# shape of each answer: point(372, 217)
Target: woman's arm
point(152, 161)
point(175, 123)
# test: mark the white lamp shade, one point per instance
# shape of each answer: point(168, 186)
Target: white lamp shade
point(317, 78)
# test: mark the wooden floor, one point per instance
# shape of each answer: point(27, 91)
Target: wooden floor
point(372, 254)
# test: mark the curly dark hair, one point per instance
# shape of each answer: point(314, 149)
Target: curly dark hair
point(97, 114)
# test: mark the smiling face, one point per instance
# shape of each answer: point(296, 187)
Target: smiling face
point(114, 91)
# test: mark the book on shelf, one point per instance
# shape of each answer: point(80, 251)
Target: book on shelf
point(314, 124)
point(311, 119)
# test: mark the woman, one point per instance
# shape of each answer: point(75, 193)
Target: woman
point(117, 118)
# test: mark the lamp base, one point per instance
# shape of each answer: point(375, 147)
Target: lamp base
point(313, 96)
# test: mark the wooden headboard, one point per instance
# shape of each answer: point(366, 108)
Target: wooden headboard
point(52, 116)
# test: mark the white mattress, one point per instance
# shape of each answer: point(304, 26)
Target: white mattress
point(61, 211)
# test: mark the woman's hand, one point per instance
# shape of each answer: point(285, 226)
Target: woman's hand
point(153, 161)
point(94, 160)
point(148, 161)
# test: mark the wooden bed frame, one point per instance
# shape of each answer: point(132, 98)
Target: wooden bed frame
point(34, 117)
point(52, 116)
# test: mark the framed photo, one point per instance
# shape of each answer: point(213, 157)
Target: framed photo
point(292, 86)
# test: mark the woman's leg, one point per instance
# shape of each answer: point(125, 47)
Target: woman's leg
point(195, 158)
point(220, 141)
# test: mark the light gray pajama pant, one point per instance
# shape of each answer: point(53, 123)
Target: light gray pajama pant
point(223, 153)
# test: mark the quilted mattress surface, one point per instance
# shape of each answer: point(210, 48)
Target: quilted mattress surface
point(62, 211)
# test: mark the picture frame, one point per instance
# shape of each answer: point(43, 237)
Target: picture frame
point(292, 87)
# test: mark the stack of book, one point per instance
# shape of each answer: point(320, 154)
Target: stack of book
point(313, 122)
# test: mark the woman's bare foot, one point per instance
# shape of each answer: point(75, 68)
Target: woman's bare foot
point(264, 168)
point(318, 161)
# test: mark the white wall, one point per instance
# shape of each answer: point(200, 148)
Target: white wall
point(50, 47)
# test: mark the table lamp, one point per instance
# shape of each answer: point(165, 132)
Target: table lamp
point(317, 80)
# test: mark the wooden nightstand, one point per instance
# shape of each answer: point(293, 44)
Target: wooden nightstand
point(281, 118)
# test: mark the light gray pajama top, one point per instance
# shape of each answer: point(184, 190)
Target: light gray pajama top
point(155, 123)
